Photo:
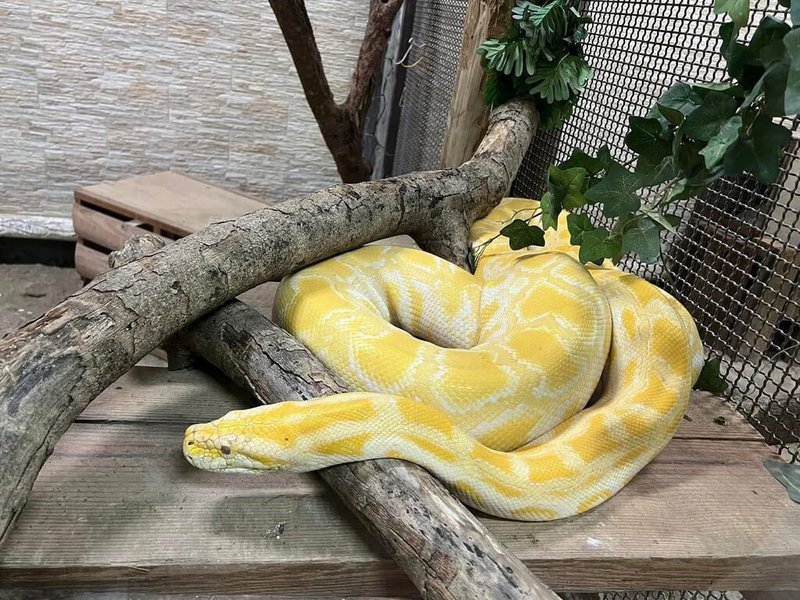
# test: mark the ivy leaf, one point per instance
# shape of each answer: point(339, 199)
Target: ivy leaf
point(678, 102)
point(705, 121)
point(597, 246)
point(643, 237)
point(683, 190)
point(718, 145)
point(768, 38)
point(775, 81)
point(617, 191)
point(645, 137)
point(710, 379)
point(665, 222)
point(578, 224)
point(788, 475)
point(580, 159)
point(654, 171)
point(521, 235)
point(792, 43)
point(702, 89)
point(551, 208)
point(760, 153)
point(568, 185)
point(737, 10)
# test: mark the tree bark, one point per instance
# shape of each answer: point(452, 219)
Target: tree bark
point(447, 553)
point(341, 125)
point(53, 367)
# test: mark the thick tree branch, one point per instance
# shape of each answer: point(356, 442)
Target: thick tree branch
point(341, 125)
point(53, 367)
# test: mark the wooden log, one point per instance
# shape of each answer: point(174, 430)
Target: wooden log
point(468, 114)
point(54, 366)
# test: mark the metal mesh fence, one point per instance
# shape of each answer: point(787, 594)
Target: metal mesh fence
point(431, 64)
point(735, 261)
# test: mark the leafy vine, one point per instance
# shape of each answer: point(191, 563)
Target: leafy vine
point(695, 134)
point(540, 56)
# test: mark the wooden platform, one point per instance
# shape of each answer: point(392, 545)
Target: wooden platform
point(117, 507)
point(167, 204)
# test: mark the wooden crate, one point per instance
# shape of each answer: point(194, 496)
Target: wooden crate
point(167, 204)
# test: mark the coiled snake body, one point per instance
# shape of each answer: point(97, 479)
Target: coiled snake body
point(482, 379)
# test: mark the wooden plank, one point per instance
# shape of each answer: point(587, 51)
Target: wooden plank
point(468, 114)
point(176, 202)
point(154, 394)
point(104, 230)
point(89, 262)
point(712, 417)
point(704, 515)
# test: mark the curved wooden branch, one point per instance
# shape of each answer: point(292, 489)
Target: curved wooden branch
point(53, 367)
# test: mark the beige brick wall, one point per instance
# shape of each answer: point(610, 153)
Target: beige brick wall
point(100, 90)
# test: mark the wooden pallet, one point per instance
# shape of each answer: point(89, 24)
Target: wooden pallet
point(116, 507)
point(167, 204)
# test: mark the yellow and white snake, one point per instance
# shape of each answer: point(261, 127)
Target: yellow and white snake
point(482, 379)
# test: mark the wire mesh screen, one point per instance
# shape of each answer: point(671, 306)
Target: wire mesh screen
point(431, 64)
point(734, 262)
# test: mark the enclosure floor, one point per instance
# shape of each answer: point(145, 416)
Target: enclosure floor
point(26, 291)
point(116, 507)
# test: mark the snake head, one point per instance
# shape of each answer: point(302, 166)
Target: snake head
point(242, 441)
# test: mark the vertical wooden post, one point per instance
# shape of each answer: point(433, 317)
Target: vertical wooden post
point(468, 115)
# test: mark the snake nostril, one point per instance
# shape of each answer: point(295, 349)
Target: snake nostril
point(190, 443)
point(225, 449)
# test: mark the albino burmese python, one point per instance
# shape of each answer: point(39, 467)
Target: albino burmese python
point(482, 378)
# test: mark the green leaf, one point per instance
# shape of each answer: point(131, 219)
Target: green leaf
point(521, 235)
point(643, 237)
point(655, 173)
point(759, 154)
point(665, 222)
point(767, 36)
point(578, 224)
point(737, 10)
point(775, 82)
point(702, 89)
point(705, 121)
point(551, 208)
point(788, 475)
point(683, 190)
point(561, 79)
point(645, 137)
point(792, 43)
point(718, 145)
point(597, 246)
point(580, 159)
point(567, 186)
point(617, 191)
point(710, 379)
point(680, 98)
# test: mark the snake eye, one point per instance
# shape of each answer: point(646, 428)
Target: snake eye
point(225, 449)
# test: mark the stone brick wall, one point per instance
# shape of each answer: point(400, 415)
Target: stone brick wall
point(100, 90)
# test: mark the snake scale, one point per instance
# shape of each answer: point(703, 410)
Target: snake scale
point(483, 379)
